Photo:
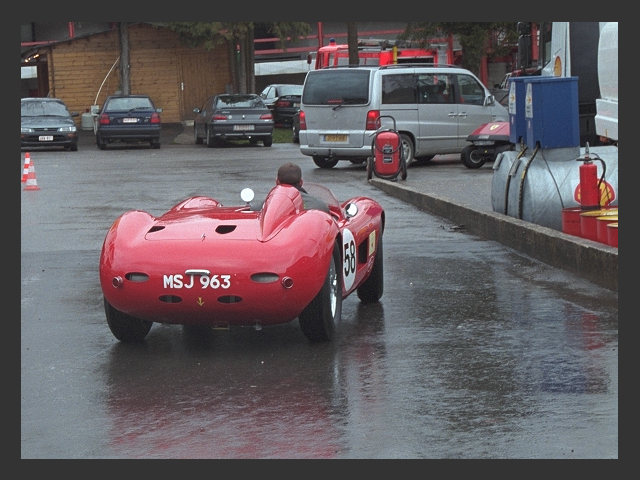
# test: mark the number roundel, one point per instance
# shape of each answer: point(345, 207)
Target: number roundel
point(349, 258)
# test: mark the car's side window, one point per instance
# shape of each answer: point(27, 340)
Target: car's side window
point(470, 90)
point(435, 88)
point(399, 88)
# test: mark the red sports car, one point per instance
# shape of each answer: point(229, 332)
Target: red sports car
point(202, 263)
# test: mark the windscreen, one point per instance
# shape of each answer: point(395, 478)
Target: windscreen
point(336, 87)
point(43, 108)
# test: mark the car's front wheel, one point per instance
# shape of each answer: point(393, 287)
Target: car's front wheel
point(318, 319)
point(473, 157)
point(124, 327)
point(324, 162)
point(196, 139)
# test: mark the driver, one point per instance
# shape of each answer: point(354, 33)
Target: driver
point(291, 174)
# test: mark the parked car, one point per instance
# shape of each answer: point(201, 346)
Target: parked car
point(435, 108)
point(128, 119)
point(259, 263)
point(233, 116)
point(295, 127)
point(283, 99)
point(47, 122)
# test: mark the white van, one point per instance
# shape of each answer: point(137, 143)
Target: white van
point(435, 108)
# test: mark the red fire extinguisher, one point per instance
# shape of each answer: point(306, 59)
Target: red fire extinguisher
point(589, 183)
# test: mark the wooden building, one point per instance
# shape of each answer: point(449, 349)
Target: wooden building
point(83, 71)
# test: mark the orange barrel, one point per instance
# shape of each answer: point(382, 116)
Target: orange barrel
point(612, 234)
point(571, 220)
point(588, 222)
point(601, 226)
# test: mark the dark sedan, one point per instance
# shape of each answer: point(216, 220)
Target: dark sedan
point(240, 116)
point(283, 99)
point(46, 122)
point(128, 119)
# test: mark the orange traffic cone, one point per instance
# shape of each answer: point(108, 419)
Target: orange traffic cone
point(32, 183)
point(25, 170)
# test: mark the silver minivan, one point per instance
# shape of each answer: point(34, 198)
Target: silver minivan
point(434, 107)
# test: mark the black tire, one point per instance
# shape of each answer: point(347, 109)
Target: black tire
point(369, 168)
point(371, 290)
point(74, 148)
point(473, 157)
point(268, 141)
point(318, 319)
point(324, 162)
point(155, 143)
point(209, 139)
point(100, 142)
point(124, 327)
point(295, 138)
point(196, 139)
point(403, 169)
point(407, 149)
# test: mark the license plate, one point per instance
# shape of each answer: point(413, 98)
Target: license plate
point(45, 138)
point(243, 127)
point(129, 120)
point(335, 138)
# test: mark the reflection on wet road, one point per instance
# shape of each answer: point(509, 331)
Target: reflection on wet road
point(475, 351)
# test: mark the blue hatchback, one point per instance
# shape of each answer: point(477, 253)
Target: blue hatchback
point(128, 119)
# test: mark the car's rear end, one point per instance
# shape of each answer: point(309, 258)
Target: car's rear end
point(336, 122)
point(129, 118)
point(241, 117)
point(287, 104)
point(214, 266)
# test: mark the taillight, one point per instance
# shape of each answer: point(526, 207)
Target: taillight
point(303, 121)
point(155, 117)
point(373, 120)
point(266, 116)
point(104, 119)
point(218, 117)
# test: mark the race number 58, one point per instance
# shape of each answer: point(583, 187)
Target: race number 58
point(349, 258)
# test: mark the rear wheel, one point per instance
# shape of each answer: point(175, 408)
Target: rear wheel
point(407, 148)
point(318, 319)
point(124, 327)
point(209, 140)
point(268, 141)
point(155, 143)
point(403, 169)
point(324, 162)
point(473, 157)
point(371, 290)
point(369, 168)
point(100, 142)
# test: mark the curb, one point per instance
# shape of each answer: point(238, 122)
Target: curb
point(591, 260)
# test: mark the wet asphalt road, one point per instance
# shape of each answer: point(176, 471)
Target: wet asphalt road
point(475, 351)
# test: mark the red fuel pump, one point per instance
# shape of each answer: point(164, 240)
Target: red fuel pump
point(386, 160)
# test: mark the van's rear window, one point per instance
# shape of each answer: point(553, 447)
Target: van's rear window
point(336, 87)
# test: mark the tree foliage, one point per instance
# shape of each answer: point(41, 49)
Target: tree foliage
point(239, 37)
point(475, 38)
